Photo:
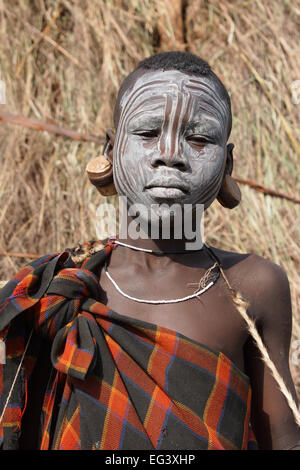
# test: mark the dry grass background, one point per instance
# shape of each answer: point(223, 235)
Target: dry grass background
point(63, 61)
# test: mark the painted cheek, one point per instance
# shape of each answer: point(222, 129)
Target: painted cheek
point(129, 172)
point(207, 175)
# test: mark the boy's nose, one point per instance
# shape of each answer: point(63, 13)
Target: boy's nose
point(173, 161)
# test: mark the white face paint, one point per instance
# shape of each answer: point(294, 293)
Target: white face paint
point(171, 140)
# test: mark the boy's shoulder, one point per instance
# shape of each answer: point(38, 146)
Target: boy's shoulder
point(262, 282)
point(251, 262)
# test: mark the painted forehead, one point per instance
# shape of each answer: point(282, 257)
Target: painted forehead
point(152, 89)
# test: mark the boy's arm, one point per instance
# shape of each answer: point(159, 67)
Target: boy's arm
point(272, 419)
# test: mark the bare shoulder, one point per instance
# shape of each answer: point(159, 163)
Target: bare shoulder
point(263, 283)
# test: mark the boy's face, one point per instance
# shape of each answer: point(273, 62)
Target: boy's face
point(170, 144)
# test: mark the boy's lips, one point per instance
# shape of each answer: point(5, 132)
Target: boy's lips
point(167, 188)
point(166, 183)
point(161, 192)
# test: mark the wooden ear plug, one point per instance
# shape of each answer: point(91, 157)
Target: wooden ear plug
point(100, 174)
point(230, 194)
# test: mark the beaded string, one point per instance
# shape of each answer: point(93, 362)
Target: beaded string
point(170, 301)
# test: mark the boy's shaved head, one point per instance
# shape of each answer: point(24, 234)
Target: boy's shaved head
point(173, 60)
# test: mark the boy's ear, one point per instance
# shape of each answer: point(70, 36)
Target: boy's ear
point(109, 145)
point(229, 195)
point(229, 159)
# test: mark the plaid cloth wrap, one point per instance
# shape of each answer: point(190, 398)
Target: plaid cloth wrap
point(116, 382)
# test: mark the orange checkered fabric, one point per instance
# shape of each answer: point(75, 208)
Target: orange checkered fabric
point(115, 383)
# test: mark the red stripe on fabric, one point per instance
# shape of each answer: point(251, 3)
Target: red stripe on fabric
point(161, 398)
point(166, 339)
point(108, 249)
point(157, 366)
point(11, 416)
point(135, 373)
point(217, 398)
point(113, 346)
point(48, 409)
point(154, 424)
point(113, 426)
point(22, 273)
point(239, 384)
point(246, 423)
point(70, 439)
point(73, 357)
point(198, 355)
point(98, 308)
point(119, 398)
point(112, 434)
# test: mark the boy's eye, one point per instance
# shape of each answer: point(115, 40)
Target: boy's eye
point(148, 134)
point(198, 140)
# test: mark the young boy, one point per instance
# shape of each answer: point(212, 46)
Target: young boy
point(175, 368)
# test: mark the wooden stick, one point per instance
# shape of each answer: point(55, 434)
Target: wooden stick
point(38, 125)
point(19, 255)
point(263, 189)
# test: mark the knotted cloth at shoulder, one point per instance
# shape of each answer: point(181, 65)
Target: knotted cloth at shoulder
point(51, 292)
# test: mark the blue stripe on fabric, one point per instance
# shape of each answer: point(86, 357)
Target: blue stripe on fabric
point(224, 404)
point(16, 305)
point(82, 277)
point(39, 261)
point(112, 412)
point(11, 298)
point(124, 428)
point(163, 427)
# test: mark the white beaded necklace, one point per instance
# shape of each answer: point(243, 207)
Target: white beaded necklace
point(170, 301)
